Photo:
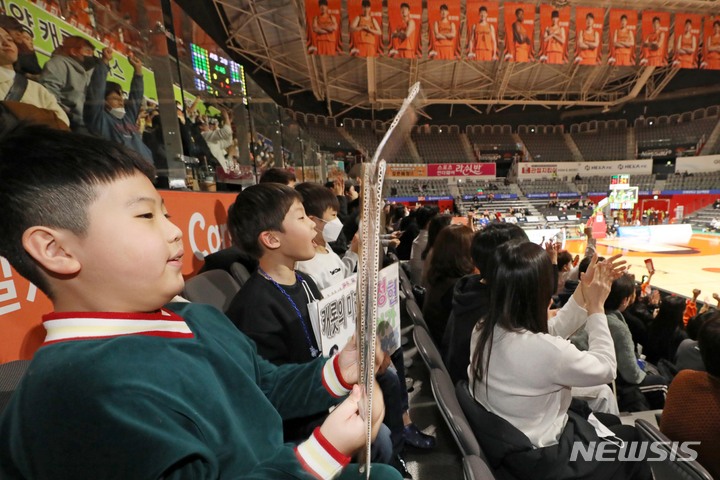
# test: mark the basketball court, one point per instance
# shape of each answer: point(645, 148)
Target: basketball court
point(679, 268)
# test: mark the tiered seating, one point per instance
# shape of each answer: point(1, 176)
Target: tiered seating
point(399, 153)
point(325, 133)
point(546, 143)
point(701, 219)
point(675, 130)
point(491, 138)
point(363, 133)
point(594, 184)
point(471, 186)
point(696, 181)
point(601, 183)
point(545, 186)
point(643, 182)
point(601, 140)
point(416, 187)
point(441, 144)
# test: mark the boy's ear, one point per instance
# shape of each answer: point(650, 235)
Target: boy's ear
point(46, 246)
point(269, 240)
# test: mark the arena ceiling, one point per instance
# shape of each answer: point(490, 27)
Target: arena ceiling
point(268, 37)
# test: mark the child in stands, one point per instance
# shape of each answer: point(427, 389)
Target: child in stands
point(124, 387)
point(326, 268)
point(269, 221)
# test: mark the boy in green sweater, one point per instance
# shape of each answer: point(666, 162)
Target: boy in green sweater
point(126, 386)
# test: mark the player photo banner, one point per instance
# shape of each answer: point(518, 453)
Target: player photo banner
point(444, 29)
point(684, 48)
point(323, 26)
point(365, 27)
point(405, 24)
point(588, 35)
point(519, 30)
point(554, 34)
point(623, 33)
point(483, 21)
point(655, 32)
point(711, 45)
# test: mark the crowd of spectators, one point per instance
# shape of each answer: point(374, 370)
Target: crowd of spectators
point(72, 90)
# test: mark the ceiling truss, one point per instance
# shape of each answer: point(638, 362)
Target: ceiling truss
point(270, 36)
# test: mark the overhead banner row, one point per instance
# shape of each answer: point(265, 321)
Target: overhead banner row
point(482, 34)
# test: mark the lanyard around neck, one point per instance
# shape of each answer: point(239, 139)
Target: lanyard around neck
point(314, 352)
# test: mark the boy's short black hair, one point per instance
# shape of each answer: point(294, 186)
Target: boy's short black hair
point(278, 175)
point(622, 288)
point(487, 240)
point(424, 214)
point(693, 326)
point(50, 178)
point(317, 198)
point(112, 87)
point(564, 258)
point(257, 209)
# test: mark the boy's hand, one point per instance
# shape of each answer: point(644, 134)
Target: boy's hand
point(107, 55)
point(348, 361)
point(338, 187)
point(344, 428)
point(136, 63)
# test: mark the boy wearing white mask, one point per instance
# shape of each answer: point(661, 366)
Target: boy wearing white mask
point(326, 268)
point(106, 113)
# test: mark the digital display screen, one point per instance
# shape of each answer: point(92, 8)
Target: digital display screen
point(619, 182)
point(217, 75)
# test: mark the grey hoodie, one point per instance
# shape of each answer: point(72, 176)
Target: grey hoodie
point(67, 79)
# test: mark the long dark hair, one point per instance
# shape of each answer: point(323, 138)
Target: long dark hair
point(450, 258)
point(520, 292)
point(436, 225)
point(662, 329)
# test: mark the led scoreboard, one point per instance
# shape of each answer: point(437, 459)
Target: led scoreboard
point(217, 75)
point(622, 195)
point(619, 182)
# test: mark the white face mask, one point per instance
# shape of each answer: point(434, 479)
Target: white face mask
point(118, 113)
point(331, 230)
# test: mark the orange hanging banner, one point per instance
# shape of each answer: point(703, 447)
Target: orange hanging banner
point(444, 29)
point(519, 31)
point(588, 35)
point(623, 29)
point(554, 34)
point(483, 20)
point(365, 18)
point(405, 19)
point(685, 47)
point(655, 32)
point(711, 45)
point(323, 26)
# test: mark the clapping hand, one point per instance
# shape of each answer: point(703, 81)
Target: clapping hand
point(596, 282)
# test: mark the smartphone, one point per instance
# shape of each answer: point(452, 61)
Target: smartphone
point(649, 265)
